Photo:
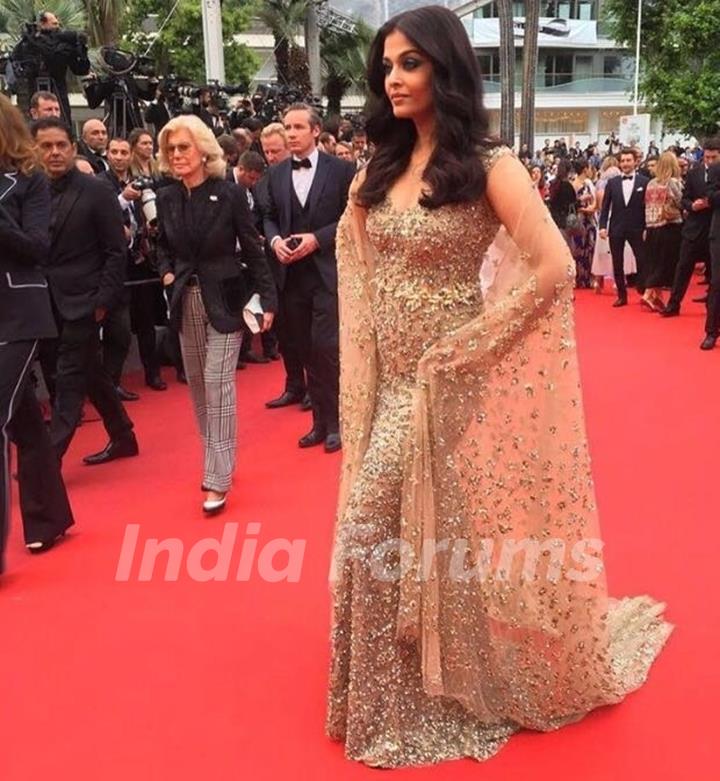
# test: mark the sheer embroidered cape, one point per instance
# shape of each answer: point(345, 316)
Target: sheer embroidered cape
point(498, 503)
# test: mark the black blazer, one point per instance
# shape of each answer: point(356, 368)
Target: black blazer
point(225, 221)
point(87, 264)
point(714, 196)
point(697, 224)
point(25, 310)
point(326, 203)
point(624, 220)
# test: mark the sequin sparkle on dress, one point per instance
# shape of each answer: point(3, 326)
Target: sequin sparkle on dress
point(463, 423)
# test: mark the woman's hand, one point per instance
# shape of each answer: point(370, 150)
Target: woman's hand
point(267, 322)
point(168, 279)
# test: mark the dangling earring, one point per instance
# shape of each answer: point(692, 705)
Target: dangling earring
point(204, 160)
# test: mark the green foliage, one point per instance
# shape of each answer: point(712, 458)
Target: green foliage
point(343, 57)
point(14, 14)
point(179, 47)
point(680, 59)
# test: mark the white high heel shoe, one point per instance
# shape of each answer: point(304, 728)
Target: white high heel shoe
point(214, 506)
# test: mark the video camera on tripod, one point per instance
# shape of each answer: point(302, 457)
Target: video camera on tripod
point(125, 78)
point(40, 61)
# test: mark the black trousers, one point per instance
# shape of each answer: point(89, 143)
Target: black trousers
point(712, 322)
point(691, 251)
point(312, 318)
point(145, 299)
point(81, 373)
point(44, 503)
point(617, 250)
point(116, 339)
point(290, 350)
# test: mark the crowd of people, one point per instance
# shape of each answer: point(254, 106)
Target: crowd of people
point(639, 219)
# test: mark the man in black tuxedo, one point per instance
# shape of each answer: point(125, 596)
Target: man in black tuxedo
point(307, 195)
point(26, 317)
point(275, 148)
point(712, 323)
point(86, 271)
point(624, 206)
point(695, 233)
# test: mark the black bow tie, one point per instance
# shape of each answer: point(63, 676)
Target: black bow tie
point(298, 164)
point(629, 178)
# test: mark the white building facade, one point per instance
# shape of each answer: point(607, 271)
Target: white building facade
point(584, 80)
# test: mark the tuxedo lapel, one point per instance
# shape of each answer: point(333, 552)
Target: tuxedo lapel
point(285, 203)
point(319, 182)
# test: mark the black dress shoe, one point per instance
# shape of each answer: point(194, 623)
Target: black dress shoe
point(180, 376)
point(700, 300)
point(708, 342)
point(118, 448)
point(333, 443)
point(284, 400)
point(620, 302)
point(670, 311)
point(315, 437)
point(241, 365)
point(156, 382)
point(306, 404)
point(252, 358)
point(40, 546)
point(126, 395)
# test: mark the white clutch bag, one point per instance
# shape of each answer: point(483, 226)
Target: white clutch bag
point(253, 314)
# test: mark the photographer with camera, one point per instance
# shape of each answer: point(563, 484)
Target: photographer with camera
point(137, 312)
point(41, 59)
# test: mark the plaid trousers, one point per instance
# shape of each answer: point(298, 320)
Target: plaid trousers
point(210, 360)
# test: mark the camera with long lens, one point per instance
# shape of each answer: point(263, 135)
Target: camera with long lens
point(146, 187)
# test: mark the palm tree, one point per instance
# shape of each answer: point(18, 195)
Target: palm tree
point(14, 14)
point(507, 71)
point(530, 61)
point(343, 57)
point(104, 21)
point(285, 18)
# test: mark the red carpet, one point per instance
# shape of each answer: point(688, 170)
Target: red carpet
point(158, 681)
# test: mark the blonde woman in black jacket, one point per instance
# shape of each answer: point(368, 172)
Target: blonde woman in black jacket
point(202, 221)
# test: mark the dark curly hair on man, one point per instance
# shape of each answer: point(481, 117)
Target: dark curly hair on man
point(455, 172)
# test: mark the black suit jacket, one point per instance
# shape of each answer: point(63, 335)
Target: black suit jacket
point(86, 266)
point(714, 196)
point(225, 221)
point(98, 162)
point(697, 224)
point(624, 220)
point(25, 310)
point(326, 203)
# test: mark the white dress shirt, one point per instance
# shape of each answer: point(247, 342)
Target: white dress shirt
point(627, 186)
point(303, 178)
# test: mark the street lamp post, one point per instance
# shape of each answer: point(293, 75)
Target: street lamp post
point(213, 40)
point(637, 59)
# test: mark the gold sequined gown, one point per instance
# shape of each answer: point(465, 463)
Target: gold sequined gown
point(463, 422)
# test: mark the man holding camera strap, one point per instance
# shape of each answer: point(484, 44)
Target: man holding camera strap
point(142, 301)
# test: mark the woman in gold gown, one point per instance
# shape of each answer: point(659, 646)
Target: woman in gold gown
point(469, 592)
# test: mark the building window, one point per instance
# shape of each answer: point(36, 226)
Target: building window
point(609, 120)
point(558, 69)
point(560, 122)
point(570, 9)
point(612, 66)
point(490, 66)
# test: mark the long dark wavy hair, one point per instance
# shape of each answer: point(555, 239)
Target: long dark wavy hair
point(455, 173)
